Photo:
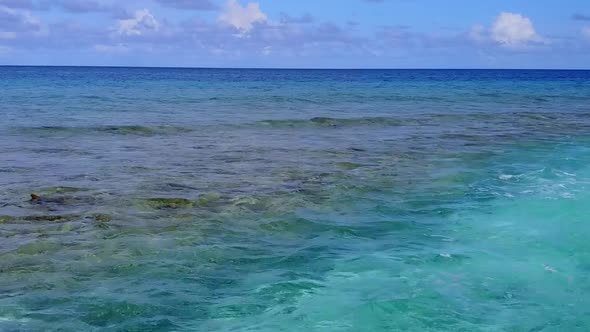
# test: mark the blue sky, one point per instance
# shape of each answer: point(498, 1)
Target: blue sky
point(297, 33)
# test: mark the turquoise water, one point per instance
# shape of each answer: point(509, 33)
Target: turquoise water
point(291, 200)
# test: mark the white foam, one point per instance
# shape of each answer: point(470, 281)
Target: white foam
point(549, 268)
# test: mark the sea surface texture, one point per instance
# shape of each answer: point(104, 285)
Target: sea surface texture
point(294, 200)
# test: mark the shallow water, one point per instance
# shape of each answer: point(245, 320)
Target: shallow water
point(285, 200)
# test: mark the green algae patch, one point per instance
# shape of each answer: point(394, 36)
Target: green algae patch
point(184, 216)
point(49, 218)
point(169, 203)
point(60, 190)
point(102, 225)
point(348, 165)
point(205, 200)
point(113, 313)
point(67, 228)
point(6, 219)
point(38, 219)
point(295, 227)
point(38, 247)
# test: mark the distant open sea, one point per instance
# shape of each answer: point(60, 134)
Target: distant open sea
point(294, 200)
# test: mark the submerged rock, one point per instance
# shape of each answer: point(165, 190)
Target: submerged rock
point(47, 194)
point(102, 217)
point(102, 220)
point(51, 200)
point(58, 199)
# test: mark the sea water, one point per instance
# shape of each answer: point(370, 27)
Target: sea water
point(294, 200)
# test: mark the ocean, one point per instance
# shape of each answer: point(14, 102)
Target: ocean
point(294, 200)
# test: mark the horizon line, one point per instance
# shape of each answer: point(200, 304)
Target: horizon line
point(286, 68)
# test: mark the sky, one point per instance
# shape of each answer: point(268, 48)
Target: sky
point(297, 33)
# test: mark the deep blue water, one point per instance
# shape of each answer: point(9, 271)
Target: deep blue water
point(290, 200)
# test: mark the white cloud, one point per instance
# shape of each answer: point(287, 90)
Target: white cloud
point(514, 30)
point(242, 18)
point(141, 22)
point(13, 21)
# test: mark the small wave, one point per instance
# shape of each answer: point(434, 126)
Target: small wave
point(116, 130)
point(333, 122)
